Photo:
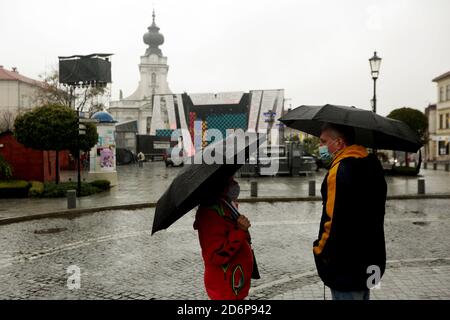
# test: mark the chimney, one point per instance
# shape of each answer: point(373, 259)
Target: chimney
point(14, 69)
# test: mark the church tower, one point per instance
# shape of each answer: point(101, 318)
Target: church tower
point(153, 71)
point(153, 67)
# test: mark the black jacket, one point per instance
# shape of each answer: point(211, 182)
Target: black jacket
point(351, 234)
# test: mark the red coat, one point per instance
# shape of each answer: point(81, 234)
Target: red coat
point(226, 252)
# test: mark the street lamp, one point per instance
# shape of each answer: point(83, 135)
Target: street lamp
point(375, 63)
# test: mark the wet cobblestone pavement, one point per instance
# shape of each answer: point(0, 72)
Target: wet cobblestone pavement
point(119, 259)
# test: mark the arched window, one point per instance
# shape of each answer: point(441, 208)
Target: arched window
point(149, 122)
point(153, 79)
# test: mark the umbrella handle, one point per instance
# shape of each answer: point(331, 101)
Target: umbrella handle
point(235, 213)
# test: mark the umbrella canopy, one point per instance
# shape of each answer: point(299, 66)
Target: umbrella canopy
point(201, 178)
point(371, 129)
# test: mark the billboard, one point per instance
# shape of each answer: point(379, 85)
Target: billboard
point(220, 98)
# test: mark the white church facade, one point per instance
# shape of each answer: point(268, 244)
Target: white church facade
point(153, 80)
point(158, 112)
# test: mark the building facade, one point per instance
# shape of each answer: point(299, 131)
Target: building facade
point(158, 112)
point(431, 145)
point(442, 118)
point(29, 164)
point(205, 117)
point(17, 94)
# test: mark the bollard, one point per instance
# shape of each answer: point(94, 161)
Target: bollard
point(425, 165)
point(71, 199)
point(421, 186)
point(253, 189)
point(312, 188)
point(447, 167)
point(434, 166)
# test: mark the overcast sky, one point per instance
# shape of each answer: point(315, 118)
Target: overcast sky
point(317, 50)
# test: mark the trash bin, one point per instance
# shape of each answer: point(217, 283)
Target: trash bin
point(312, 188)
point(421, 186)
point(253, 189)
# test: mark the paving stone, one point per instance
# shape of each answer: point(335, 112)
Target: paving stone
point(119, 259)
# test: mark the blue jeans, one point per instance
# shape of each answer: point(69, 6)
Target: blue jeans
point(350, 295)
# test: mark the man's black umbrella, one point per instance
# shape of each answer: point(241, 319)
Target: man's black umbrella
point(371, 129)
point(207, 173)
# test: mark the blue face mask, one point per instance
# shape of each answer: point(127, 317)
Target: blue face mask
point(325, 154)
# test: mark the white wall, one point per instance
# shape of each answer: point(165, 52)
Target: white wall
point(16, 96)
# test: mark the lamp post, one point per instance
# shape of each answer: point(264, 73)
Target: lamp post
point(375, 63)
point(81, 132)
point(270, 115)
point(78, 71)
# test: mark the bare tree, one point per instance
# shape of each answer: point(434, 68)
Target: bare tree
point(83, 98)
point(52, 92)
point(89, 101)
point(7, 118)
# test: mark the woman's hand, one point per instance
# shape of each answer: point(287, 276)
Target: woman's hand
point(243, 223)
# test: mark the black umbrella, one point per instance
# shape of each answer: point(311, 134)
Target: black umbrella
point(201, 178)
point(371, 129)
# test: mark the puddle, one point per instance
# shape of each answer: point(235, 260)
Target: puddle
point(421, 223)
point(49, 231)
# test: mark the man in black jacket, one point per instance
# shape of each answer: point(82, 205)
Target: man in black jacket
point(350, 252)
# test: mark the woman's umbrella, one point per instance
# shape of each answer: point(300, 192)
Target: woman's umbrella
point(371, 129)
point(205, 174)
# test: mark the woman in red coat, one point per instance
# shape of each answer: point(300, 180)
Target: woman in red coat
point(225, 244)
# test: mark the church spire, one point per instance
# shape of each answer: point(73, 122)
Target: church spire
point(153, 38)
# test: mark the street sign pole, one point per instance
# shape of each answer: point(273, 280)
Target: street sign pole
point(81, 131)
point(78, 149)
point(270, 114)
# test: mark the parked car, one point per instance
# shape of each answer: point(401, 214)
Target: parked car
point(274, 160)
point(280, 160)
point(315, 161)
point(309, 164)
point(169, 161)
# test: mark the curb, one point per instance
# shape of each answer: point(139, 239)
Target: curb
point(72, 213)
